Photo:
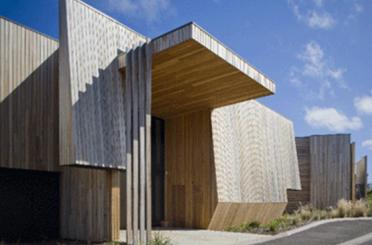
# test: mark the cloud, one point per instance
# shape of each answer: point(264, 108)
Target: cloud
point(318, 3)
point(316, 19)
point(367, 144)
point(331, 119)
point(356, 10)
point(363, 104)
point(320, 20)
point(317, 75)
point(150, 10)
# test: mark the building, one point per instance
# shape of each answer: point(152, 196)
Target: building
point(75, 131)
point(326, 164)
point(361, 178)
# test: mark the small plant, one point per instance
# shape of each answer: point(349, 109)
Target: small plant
point(158, 239)
point(333, 213)
point(359, 209)
point(305, 212)
point(344, 208)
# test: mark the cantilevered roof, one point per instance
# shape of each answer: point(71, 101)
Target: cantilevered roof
point(193, 71)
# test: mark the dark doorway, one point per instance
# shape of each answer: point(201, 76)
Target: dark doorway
point(29, 205)
point(157, 157)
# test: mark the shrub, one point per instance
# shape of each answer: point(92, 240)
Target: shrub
point(344, 208)
point(305, 212)
point(359, 209)
point(319, 215)
point(158, 239)
point(333, 213)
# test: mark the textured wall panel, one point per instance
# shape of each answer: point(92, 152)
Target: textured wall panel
point(255, 154)
point(92, 92)
point(28, 98)
point(330, 166)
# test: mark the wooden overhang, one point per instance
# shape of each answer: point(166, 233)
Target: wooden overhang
point(192, 71)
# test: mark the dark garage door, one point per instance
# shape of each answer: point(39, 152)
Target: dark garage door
point(29, 205)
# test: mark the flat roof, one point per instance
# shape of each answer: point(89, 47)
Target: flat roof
point(193, 71)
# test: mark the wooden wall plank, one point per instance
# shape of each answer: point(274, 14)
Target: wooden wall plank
point(330, 169)
point(190, 184)
point(361, 179)
point(353, 171)
point(90, 204)
point(28, 92)
point(138, 85)
point(296, 198)
point(234, 214)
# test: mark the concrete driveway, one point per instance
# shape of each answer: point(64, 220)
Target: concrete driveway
point(340, 233)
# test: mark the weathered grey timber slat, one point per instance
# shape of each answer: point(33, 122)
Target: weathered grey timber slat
point(330, 166)
point(92, 102)
point(128, 126)
point(148, 91)
point(28, 98)
point(361, 179)
point(138, 106)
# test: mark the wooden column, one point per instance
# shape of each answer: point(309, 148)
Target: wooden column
point(138, 112)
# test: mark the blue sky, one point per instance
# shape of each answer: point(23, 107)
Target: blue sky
point(318, 52)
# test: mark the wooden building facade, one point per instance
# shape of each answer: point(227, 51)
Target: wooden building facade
point(326, 164)
point(122, 127)
point(361, 178)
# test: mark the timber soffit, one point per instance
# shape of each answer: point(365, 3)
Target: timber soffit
point(192, 31)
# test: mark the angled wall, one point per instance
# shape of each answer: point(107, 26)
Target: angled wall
point(92, 120)
point(255, 163)
point(255, 154)
point(28, 98)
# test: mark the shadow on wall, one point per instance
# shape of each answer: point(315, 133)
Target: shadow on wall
point(99, 119)
point(29, 119)
point(29, 200)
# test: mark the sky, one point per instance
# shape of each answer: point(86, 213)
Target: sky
point(318, 52)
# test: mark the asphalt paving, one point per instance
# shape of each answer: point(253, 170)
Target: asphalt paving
point(328, 234)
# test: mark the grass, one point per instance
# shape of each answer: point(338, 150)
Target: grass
point(159, 239)
point(307, 214)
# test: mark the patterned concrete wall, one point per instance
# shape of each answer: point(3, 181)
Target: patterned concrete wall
point(92, 130)
point(255, 154)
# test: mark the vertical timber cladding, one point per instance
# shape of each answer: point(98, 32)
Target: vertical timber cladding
point(190, 182)
point(361, 178)
point(89, 203)
point(92, 119)
point(296, 198)
point(92, 128)
point(28, 99)
point(138, 124)
point(256, 162)
point(330, 168)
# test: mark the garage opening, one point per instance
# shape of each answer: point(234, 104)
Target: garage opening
point(29, 205)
